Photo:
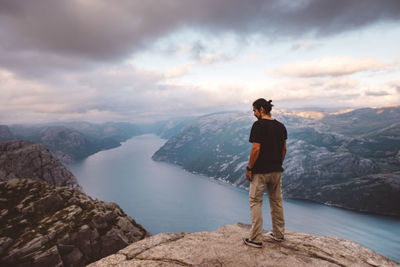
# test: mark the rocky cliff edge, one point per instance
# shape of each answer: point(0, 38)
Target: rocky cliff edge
point(25, 159)
point(225, 247)
point(44, 225)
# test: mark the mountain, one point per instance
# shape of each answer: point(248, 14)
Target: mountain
point(326, 153)
point(117, 131)
point(44, 225)
point(374, 192)
point(25, 159)
point(5, 133)
point(167, 128)
point(225, 247)
point(75, 141)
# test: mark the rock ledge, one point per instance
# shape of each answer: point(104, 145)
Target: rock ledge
point(225, 247)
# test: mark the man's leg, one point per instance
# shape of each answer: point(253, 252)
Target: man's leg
point(257, 187)
point(274, 186)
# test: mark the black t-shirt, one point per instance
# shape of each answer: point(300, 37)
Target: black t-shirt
point(271, 134)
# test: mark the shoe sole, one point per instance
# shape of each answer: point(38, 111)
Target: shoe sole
point(251, 244)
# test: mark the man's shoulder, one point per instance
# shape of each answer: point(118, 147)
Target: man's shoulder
point(257, 123)
point(280, 126)
point(279, 123)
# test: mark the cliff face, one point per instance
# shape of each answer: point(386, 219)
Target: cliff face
point(44, 225)
point(225, 247)
point(25, 159)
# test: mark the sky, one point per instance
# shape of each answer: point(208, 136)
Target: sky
point(137, 61)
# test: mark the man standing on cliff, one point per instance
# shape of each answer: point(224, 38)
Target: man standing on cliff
point(264, 170)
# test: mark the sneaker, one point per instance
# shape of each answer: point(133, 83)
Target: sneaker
point(248, 242)
point(273, 237)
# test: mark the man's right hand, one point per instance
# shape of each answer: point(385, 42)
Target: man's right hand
point(249, 177)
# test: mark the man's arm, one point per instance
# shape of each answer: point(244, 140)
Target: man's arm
point(284, 151)
point(254, 153)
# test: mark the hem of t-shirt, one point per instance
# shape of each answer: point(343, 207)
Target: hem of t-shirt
point(268, 171)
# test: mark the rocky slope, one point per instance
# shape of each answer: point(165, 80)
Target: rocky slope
point(324, 153)
point(225, 247)
point(44, 225)
point(375, 192)
point(25, 159)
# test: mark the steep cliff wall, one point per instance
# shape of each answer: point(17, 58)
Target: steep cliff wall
point(25, 159)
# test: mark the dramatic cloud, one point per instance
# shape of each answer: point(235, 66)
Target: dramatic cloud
point(377, 93)
point(332, 66)
point(100, 30)
point(121, 94)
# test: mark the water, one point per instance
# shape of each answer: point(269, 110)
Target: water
point(164, 198)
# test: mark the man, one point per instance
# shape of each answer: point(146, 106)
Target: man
point(268, 151)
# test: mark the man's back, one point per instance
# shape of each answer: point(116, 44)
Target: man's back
point(271, 134)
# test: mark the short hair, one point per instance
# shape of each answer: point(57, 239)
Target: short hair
point(261, 102)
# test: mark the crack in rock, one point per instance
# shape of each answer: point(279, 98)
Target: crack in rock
point(131, 252)
point(166, 260)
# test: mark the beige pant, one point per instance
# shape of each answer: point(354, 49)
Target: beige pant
point(274, 186)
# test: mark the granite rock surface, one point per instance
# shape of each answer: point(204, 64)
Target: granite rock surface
point(225, 247)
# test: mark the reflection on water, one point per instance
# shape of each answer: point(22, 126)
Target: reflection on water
point(164, 198)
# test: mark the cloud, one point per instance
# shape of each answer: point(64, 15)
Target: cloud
point(305, 45)
point(395, 86)
point(332, 66)
point(377, 93)
point(125, 93)
point(329, 92)
point(333, 84)
point(104, 31)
